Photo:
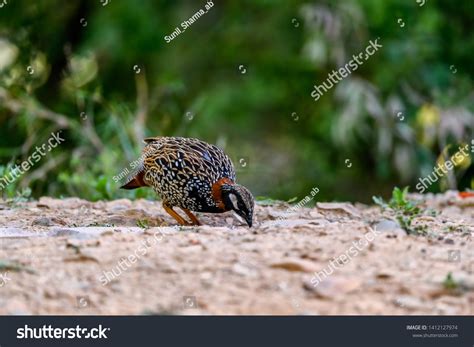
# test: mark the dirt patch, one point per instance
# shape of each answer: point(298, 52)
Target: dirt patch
point(72, 256)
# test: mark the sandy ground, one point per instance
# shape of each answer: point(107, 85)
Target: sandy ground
point(55, 256)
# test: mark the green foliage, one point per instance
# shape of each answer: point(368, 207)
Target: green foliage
point(6, 265)
point(449, 283)
point(85, 84)
point(143, 223)
point(103, 187)
point(13, 194)
point(399, 202)
point(22, 195)
point(266, 201)
point(10, 191)
point(403, 209)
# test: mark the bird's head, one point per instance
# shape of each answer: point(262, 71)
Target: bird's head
point(239, 199)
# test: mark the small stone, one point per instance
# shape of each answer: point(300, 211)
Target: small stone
point(383, 276)
point(117, 220)
point(43, 221)
point(15, 233)
point(409, 302)
point(390, 226)
point(287, 223)
point(296, 265)
point(346, 207)
point(64, 232)
point(119, 205)
point(244, 270)
point(387, 225)
point(314, 214)
point(332, 287)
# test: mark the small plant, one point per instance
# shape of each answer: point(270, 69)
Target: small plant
point(103, 187)
point(97, 224)
point(6, 265)
point(449, 283)
point(266, 201)
point(143, 223)
point(22, 195)
point(11, 192)
point(405, 210)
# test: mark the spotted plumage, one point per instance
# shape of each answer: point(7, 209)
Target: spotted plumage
point(192, 175)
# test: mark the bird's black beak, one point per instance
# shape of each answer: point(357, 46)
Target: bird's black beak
point(248, 219)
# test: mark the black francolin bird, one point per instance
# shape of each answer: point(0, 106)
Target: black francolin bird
point(192, 175)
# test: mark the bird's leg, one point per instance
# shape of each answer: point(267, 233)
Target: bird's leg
point(175, 215)
point(191, 216)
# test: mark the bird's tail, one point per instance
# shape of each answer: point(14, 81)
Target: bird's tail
point(136, 182)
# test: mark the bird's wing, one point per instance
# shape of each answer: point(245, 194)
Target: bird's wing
point(190, 155)
point(211, 158)
point(151, 139)
point(221, 161)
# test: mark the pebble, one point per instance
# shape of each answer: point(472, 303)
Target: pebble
point(242, 270)
point(409, 302)
point(119, 205)
point(387, 225)
point(43, 221)
point(120, 220)
point(348, 208)
point(333, 287)
point(295, 265)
